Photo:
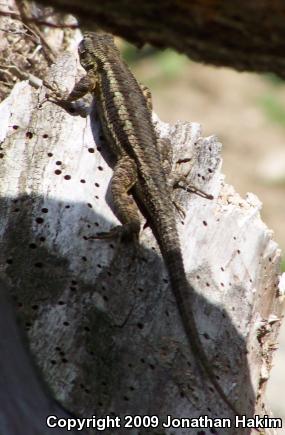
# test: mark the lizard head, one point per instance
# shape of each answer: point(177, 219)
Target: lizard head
point(96, 48)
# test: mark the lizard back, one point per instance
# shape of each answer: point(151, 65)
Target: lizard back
point(127, 124)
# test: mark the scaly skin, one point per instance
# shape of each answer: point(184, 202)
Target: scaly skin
point(126, 120)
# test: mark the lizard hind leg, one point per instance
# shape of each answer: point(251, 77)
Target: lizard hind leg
point(125, 208)
point(176, 180)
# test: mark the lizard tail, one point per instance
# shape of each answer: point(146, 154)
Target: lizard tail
point(183, 293)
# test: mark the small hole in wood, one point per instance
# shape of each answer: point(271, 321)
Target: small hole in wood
point(39, 265)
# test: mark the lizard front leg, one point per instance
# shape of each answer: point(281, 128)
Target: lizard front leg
point(125, 208)
point(86, 84)
point(62, 97)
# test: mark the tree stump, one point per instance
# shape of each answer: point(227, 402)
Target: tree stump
point(102, 322)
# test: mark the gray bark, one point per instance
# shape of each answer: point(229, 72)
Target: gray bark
point(25, 401)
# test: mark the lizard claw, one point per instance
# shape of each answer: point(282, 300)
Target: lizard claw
point(180, 209)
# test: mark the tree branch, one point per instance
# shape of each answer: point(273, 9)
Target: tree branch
point(247, 36)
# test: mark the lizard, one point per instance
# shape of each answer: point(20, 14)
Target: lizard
point(139, 177)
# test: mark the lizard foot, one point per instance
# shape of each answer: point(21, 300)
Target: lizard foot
point(54, 92)
point(124, 233)
point(114, 233)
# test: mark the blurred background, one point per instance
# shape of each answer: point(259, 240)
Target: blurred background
point(247, 113)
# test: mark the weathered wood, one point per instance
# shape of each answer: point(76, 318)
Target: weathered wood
point(247, 35)
point(102, 323)
point(25, 401)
